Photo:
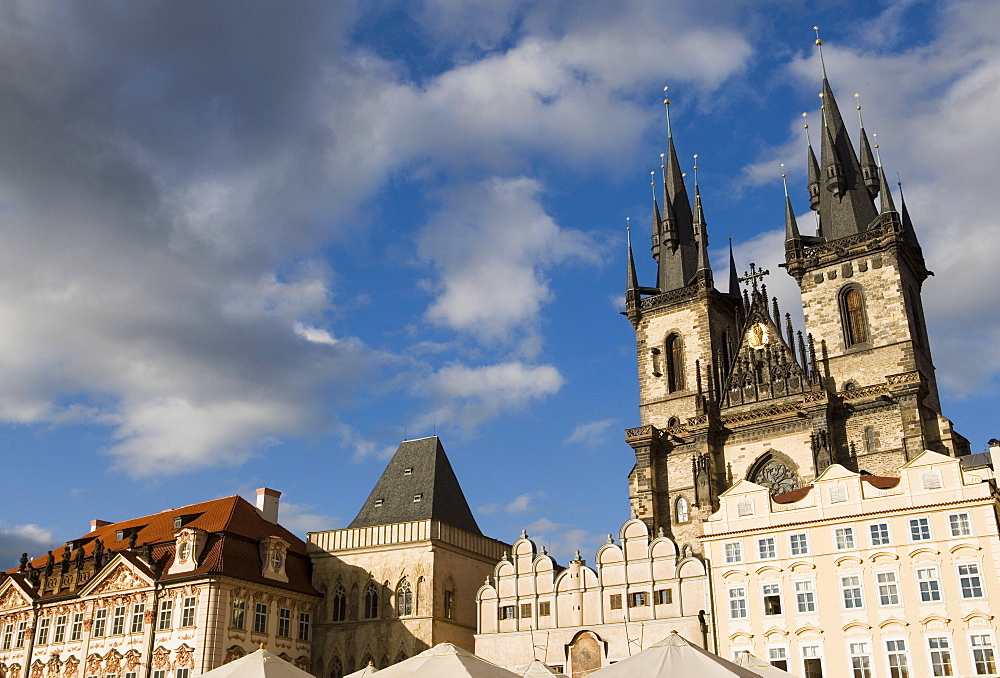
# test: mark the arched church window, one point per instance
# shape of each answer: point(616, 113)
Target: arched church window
point(682, 513)
point(774, 474)
point(852, 312)
point(371, 601)
point(871, 439)
point(674, 360)
point(673, 421)
point(339, 603)
point(404, 599)
point(337, 670)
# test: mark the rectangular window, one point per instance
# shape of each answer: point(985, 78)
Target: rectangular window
point(616, 601)
point(305, 624)
point(738, 602)
point(861, 660)
point(131, 674)
point(637, 599)
point(888, 588)
point(508, 612)
point(159, 673)
point(118, 621)
point(778, 656)
point(811, 662)
point(664, 596)
point(799, 544)
point(187, 611)
point(43, 631)
point(260, 618)
point(138, 612)
point(76, 631)
point(166, 617)
point(181, 673)
point(940, 649)
point(920, 529)
point(960, 524)
point(930, 587)
point(449, 604)
point(239, 613)
point(734, 552)
point(772, 598)
point(544, 609)
point(879, 533)
point(60, 631)
point(844, 537)
point(982, 654)
point(970, 581)
point(19, 638)
point(284, 622)
point(899, 667)
point(525, 610)
point(766, 548)
point(805, 596)
point(851, 587)
point(100, 622)
point(8, 637)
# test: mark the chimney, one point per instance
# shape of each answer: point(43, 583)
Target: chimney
point(994, 451)
point(267, 504)
point(95, 523)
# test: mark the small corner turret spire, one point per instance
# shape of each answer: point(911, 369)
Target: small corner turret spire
point(632, 284)
point(869, 169)
point(909, 234)
point(813, 168)
point(657, 229)
point(886, 204)
point(791, 225)
point(734, 278)
point(701, 228)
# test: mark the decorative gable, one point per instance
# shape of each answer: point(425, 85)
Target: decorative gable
point(273, 554)
point(13, 596)
point(188, 547)
point(119, 575)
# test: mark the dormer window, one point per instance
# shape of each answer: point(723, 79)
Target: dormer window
point(408, 471)
point(273, 556)
point(119, 535)
point(378, 502)
point(189, 544)
point(417, 498)
point(178, 522)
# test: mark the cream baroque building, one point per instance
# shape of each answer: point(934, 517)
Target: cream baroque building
point(578, 619)
point(170, 595)
point(857, 575)
point(403, 576)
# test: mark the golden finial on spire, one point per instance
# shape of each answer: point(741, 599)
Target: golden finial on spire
point(652, 183)
point(857, 100)
point(878, 154)
point(805, 126)
point(784, 179)
point(696, 171)
point(666, 106)
point(819, 46)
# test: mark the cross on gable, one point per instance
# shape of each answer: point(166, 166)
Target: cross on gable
point(754, 275)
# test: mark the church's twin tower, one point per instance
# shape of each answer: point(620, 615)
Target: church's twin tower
point(729, 389)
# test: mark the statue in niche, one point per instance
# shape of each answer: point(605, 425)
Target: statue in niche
point(775, 476)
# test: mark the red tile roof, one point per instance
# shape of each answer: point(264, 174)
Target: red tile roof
point(234, 529)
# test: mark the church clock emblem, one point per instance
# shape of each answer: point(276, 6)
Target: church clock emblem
point(758, 336)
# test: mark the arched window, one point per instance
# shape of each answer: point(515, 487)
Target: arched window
point(352, 611)
point(852, 313)
point(673, 421)
point(371, 601)
point(339, 603)
point(674, 360)
point(404, 599)
point(449, 598)
point(337, 669)
point(871, 439)
point(682, 514)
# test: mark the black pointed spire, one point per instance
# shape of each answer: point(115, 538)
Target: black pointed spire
point(909, 234)
point(632, 284)
point(887, 204)
point(869, 168)
point(701, 229)
point(734, 278)
point(657, 229)
point(678, 262)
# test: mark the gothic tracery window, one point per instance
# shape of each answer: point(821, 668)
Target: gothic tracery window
point(852, 309)
point(682, 513)
point(339, 603)
point(674, 360)
point(371, 601)
point(404, 599)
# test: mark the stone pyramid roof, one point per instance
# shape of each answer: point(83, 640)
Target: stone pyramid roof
point(418, 484)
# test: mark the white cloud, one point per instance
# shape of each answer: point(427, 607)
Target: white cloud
point(562, 540)
point(520, 504)
point(492, 244)
point(591, 433)
point(468, 396)
point(28, 538)
point(302, 518)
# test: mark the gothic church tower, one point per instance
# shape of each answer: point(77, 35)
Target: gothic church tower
point(729, 389)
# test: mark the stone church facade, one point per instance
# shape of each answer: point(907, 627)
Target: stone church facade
point(730, 389)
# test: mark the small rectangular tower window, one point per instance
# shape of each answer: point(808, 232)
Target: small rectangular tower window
point(664, 596)
point(544, 609)
point(525, 610)
point(616, 601)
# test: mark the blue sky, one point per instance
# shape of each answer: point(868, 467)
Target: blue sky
point(257, 244)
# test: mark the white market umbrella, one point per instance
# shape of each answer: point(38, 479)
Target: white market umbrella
point(258, 664)
point(363, 673)
point(537, 669)
point(673, 657)
point(761, 667)
point(445, 661)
